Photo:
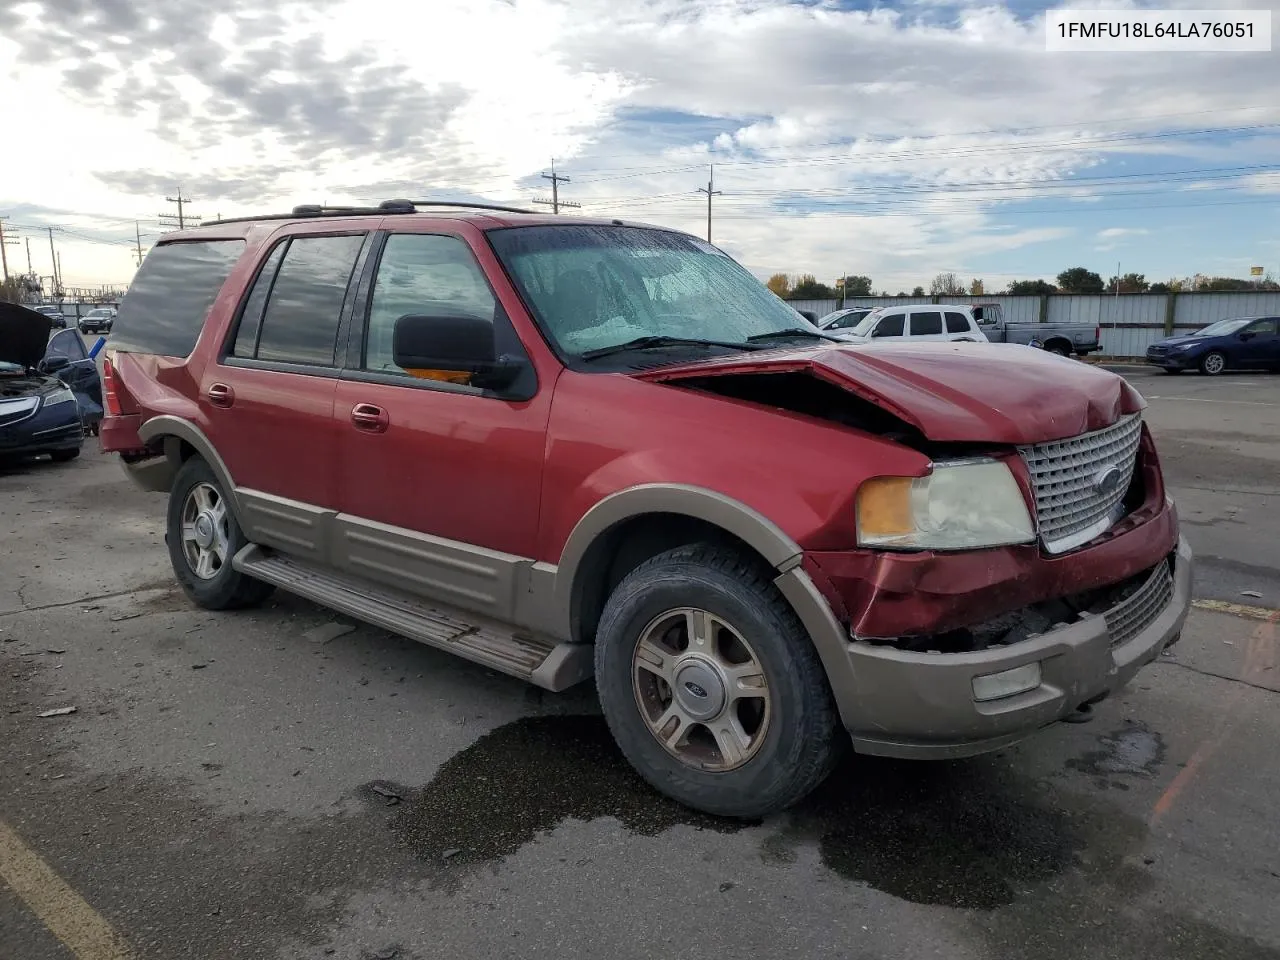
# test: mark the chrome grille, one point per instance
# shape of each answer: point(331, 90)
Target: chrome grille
point(1131, 616)
point(1077, 495)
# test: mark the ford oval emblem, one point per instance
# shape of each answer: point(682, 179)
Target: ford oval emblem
point(1107, 480)
point(695, 689)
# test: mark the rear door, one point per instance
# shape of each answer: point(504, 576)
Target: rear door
point(1261, 351)
point(927, 325)
point(269, 399)
point(961, 326)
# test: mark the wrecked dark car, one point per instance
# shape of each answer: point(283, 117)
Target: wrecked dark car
point(564, 448)
point(39, 412)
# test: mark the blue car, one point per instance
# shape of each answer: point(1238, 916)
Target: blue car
point(1243, 343)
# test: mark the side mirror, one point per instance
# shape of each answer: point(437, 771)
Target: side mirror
point(455, 349)
point(53, 364)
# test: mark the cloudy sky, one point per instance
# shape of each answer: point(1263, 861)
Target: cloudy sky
point(891, 140)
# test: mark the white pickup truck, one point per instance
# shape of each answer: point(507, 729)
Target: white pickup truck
point(975, 322)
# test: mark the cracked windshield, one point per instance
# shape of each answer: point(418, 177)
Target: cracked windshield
point(513, 479)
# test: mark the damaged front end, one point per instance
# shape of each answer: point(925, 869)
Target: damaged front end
point(1046, 576)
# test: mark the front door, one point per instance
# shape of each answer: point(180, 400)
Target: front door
point(1259, 347)
point(268, 401)
point(439, 482)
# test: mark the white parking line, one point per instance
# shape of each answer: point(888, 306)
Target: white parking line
point(1247, 403)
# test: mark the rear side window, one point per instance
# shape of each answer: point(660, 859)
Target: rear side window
point(926, 324)
point(171, 294)
point(300, 324)
point(957, 323)
point(890, 326)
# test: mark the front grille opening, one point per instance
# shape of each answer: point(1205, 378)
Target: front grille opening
point(1128, 606)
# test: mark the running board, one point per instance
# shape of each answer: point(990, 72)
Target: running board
point(544, 663)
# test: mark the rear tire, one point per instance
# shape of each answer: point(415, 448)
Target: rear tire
point(770, 734)
point(203, 536)
point(1060, 348)
point(1213, 363)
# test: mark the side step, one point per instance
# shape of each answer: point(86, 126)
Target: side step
point(542, 662)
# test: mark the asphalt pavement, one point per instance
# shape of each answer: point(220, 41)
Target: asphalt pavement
point(237, 786)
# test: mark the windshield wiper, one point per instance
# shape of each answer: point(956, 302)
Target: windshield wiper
point(644, 343)
point(792, 332)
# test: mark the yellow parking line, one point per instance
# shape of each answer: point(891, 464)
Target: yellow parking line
point(69, 918)
point(1235, 609)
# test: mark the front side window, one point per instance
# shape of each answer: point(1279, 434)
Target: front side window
point(425, 275)
point(890, 326)
point(304, 307)
point(66, 344)
point(1266, 326)
point(595, 287)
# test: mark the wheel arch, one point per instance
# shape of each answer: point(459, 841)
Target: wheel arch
point(630, 526)
point(1057, 344)
point(181, 440)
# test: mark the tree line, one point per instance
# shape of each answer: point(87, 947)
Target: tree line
point(1074, 280)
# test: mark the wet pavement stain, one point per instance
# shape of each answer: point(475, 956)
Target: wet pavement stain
point(942, 834)
point(527, 777)
point(961, 835)
point(1133, 751)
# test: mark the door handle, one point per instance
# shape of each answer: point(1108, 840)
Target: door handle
point(220, 395)
point(370, 418)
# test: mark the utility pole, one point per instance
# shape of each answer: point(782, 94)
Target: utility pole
point(4, 254)
point(137, 234)
point(711, 191)
point(30, 272)
point(555, 203)
point(167, 219)
point(53, 259)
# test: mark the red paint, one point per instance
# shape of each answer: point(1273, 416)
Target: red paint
point(953, 391)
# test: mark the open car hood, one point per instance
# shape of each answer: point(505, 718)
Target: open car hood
point(24, 335)
point(964, 392)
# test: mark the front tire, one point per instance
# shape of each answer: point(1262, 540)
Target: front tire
point(203, 536)
point(711, 687)
point(63, 456)
point(1213, 363)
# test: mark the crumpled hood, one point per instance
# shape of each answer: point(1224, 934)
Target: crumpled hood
point(966, 392)
point(24, 334)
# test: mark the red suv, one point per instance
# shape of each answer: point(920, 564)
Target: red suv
point(565, 447)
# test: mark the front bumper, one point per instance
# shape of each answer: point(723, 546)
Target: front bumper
point(1171, 361)
point(51, 429)
point(921, 705)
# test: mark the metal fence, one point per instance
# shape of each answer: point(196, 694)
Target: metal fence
point(1129, 323)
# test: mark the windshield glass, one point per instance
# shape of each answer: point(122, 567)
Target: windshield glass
point(1221, 328)
point(594, 287)
point(98, 313)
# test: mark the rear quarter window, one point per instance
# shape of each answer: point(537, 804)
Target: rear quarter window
point(170, 296)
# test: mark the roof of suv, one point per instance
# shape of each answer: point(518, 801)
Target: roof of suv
point(486, 216)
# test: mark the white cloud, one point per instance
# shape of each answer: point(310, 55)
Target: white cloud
point(843, 140)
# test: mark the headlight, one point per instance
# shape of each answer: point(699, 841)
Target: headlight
point(959, 506)
point(59, 396)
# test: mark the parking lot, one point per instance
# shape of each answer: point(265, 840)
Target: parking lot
point(250, 785)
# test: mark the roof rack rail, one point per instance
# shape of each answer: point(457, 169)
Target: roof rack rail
point(465, 205)
point(385, 207)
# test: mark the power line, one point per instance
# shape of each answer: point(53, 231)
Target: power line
point(555, 202)
point(710, 191)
